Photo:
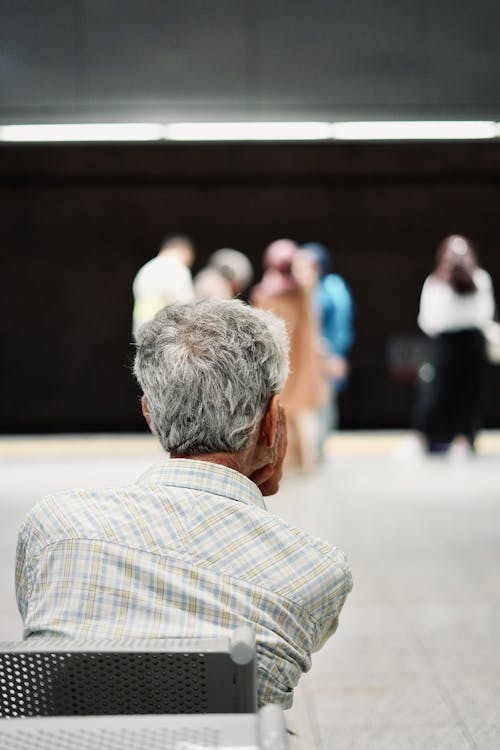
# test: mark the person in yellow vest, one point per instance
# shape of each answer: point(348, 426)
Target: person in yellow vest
point(163, 280)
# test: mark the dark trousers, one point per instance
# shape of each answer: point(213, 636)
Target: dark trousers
point(451, 403)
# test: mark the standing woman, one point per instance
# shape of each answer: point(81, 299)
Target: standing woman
point(286, 289)
point(456, 305)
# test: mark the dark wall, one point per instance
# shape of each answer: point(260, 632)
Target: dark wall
point(78, 221)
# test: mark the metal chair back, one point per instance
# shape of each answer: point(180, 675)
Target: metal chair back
point(162, 676)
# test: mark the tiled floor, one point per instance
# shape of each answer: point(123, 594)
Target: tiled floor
point(416, 660)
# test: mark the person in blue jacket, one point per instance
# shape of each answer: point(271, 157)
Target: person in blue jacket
point(335, 308)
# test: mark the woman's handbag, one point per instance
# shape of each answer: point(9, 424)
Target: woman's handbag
point(492, 336)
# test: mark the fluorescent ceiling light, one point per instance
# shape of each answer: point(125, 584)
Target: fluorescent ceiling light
point(252, 131)
point(120, 131)
point(419, 130)
point(247, 131)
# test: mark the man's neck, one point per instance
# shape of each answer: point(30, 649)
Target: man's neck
point(241, 461)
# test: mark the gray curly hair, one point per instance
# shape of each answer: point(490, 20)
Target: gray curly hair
point(208, 370)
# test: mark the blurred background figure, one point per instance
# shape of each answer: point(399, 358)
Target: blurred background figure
point(163, 280)
point(456, 305)
point(287, 289)
point(334, 304)
point(228, 274)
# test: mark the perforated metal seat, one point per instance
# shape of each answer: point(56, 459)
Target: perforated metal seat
point(262, 731)
point(175, 675)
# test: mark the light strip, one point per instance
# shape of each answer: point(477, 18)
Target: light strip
point(252, 131)
point(247, 131)
point(120, 131)
point(414, 131)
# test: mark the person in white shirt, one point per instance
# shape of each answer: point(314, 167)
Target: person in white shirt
point(456, 305)
point(163, 280)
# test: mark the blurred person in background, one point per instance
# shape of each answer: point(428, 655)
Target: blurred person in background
point(286, 289)
point(228, 274)
point(456, 305)
point(333, 301)
point(163, 280)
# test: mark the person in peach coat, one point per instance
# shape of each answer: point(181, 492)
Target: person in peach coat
point(287, 290)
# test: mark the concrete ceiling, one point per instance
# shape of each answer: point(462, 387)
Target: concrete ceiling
point(168, 60)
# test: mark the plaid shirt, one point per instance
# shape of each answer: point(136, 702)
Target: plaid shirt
point(188, 550)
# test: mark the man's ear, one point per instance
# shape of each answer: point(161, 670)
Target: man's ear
point(146, 414)
point(270, 421)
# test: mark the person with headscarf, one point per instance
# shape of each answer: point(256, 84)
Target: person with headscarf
point(456, 306)
point(286, 289)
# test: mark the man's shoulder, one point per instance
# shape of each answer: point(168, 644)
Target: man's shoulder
point(76, 496)
point(296, 563)
point(75, 513)
point(146, 267)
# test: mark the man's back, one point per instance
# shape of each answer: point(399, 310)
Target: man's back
point(186, 551)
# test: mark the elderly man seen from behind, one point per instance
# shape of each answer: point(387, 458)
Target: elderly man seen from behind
point(190, 549)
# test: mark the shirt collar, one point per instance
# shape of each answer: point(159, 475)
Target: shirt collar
point(204, 476)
